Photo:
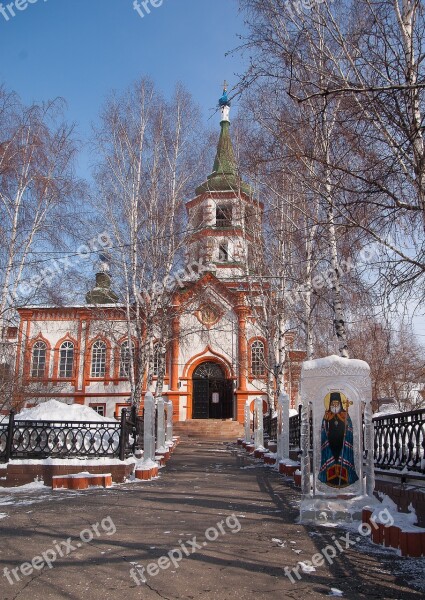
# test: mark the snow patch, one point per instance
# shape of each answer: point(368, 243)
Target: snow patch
point(53, 410)
point(306, 568)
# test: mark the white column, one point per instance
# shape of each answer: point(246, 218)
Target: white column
point(169, 432)
point(247, 415)
point(258, 424)
point(160, 434)
point(149, 430)
point(283, 427)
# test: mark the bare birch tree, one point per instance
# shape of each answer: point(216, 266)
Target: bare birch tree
point(148, 149)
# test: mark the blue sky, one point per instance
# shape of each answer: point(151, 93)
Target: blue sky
point(81, 49)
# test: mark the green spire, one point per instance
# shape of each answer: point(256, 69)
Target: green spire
point(225, 173)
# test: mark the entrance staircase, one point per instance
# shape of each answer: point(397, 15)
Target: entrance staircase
point(209, 429)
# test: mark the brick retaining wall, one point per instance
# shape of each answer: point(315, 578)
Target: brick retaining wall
point(403, 496)
point(21, 474)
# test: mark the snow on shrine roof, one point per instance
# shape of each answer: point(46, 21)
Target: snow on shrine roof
point(335, 361)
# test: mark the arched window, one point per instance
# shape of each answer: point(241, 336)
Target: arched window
point(125, 359)
point(66, 359)
point(156, 359)
point(98, 359)
point(38, 363)
point(257, 358)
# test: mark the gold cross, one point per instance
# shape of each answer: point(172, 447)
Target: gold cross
point(225, 85)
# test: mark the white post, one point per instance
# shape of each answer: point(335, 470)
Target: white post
point(169, 432)
point(149, 430)
point(160, 436)
point(247, 415)
point(283, 427)
point(369, 448)
point(305, 449)
point(258, 424)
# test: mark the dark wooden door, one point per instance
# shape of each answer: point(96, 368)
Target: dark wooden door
point(201, 399)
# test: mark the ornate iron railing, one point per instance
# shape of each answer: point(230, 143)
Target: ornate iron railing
point(270, 427)
point(295, 431)
point(67, 439)
point(400, 441)
point(273, 428)
point(3, 441)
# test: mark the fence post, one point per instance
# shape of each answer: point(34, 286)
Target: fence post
point(9, 440)
point(123, 433)
point(258, 424)
point(283, 427)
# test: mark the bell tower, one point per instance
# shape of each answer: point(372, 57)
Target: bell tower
point(223, 212)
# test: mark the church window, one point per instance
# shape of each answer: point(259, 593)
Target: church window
point(224, 216)
point(98, 359)
point(99, 408)
point(66, 359)
point(156, 359)
point(38, 366)
point(257, 358)
point(125, 359)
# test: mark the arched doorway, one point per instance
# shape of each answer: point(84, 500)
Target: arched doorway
point(212, 392)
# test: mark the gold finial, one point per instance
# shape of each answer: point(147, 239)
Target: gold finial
point(225, 84)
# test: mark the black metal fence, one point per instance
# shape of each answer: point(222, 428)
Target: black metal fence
point(270, 428)
point(399, 439)
point(68, 439)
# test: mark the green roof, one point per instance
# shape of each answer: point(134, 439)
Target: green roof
point(225, 173)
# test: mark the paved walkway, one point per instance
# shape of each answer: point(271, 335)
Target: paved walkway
point(203, 485)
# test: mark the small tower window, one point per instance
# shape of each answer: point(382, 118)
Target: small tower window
point(223, 252)
point(223, 216)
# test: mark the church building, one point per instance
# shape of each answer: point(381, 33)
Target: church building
point(218, 357)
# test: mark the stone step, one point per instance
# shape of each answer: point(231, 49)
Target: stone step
point(209, 429)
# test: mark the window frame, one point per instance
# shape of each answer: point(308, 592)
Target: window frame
point(72, 370)
point(261, 361)
point(46, 361)
point(121, 373)
point(105, 360)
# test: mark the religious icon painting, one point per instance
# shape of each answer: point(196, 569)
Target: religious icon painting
point(337, 464)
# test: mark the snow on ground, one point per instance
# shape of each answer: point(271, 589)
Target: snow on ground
point(386, 410)
point(59, 411)
point(35, 486)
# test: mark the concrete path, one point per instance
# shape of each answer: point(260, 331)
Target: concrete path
point(214, 512)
